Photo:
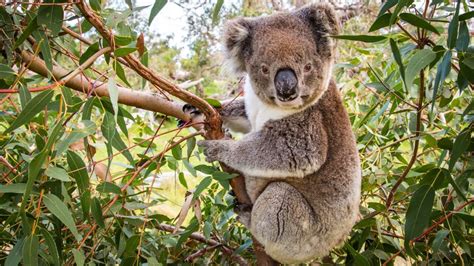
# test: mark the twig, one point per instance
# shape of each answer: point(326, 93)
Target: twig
point(441, 220)
point(417, 141)
point(201, 238)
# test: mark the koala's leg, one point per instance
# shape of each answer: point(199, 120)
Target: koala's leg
point(283, 221)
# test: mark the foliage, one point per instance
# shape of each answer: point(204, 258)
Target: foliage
point(85, 179)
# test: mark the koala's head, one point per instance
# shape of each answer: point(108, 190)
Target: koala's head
point(288, 56)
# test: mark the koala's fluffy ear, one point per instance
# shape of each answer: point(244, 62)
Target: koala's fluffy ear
point(322, 20)
point(237, 43)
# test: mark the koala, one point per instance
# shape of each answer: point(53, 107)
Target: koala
point(298, 156)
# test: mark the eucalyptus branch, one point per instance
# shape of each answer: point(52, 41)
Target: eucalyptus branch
point(416, 144)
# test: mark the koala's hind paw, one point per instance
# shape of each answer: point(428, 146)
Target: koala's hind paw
point(243, 211)
point(194, 114)
point(211, 148)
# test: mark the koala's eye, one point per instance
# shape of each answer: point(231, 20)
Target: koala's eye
point(308, 67)
point(265, 70)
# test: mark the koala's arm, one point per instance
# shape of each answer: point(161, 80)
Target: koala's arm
point(282, 149)
point(232, 113)
point(234, 116)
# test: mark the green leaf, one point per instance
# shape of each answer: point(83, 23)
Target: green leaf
point(466, 16)
point(159, 4)
point(79, 258)
point(190, 145)
point(6, 72)
point(15, 256)
point(123, 51)
point(34, 169)
point(60, 210)
point(77, 168)
point(418, 22)
point(359, 259)
point(32, 26)
point(438, 240)
point(361, 38)
point(401, 4)
point(43, 42)
point(96, 210)
point(381, 22)
point(215, 12)
point(120, 72)
point(51, 16)
point(461, 144)
point(113, 96)
point(453, 28)
point(201, 186)
point(18, 188)
point(30, 250)
point(206, 169)
point(398, 58)
point(462, 43)
point(32, 108)
point(418, 213)
point(386, 6)
point(443, 70)
point(107, 187)
point(57, 173)
point(86, 204)
point(53, 250)
point(213, 102)
point(182, 180)
point(91, 50)
point(177, 152)
point(418, 62)
point(131, 246)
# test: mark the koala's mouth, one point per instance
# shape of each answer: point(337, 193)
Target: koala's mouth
point(292, 102)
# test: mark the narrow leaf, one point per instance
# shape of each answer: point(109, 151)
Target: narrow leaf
point(159, 4)
point(418, 22)
point(78, 171)
point(53, 250)
point(215, 12)
point(418, 62)
point(79, 258)
point(97, 212)
point(52, 17)
point(57, 173)
point(14, 258)
point(443, 70)
point(30, 250)
point(381, 22)
point(453, 28)
point(419, 211)
point(461, 144)
point(32, 108)
point(398, 58)
point(60, 210)
point(361, 38)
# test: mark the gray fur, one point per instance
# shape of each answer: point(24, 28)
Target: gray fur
point(301, 167)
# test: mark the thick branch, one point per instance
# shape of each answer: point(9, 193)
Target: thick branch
point(140, 99)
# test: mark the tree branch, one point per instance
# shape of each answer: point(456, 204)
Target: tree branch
point(140, 99)
point(201, 238)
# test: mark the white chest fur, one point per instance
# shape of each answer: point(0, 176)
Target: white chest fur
point(259, 112)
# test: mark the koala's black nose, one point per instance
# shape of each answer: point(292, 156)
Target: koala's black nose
point(286, 84)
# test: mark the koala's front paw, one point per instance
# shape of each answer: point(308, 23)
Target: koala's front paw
point(194, 114)
point(212, 149)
